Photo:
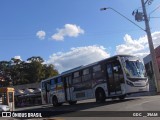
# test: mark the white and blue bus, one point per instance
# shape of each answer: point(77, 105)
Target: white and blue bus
point(114, 77)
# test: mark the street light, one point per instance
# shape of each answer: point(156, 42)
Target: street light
point(122, 16)
point(152, 52)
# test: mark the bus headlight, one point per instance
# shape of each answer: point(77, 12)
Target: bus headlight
point(130, 83)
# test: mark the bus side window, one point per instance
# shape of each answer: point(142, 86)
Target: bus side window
point(97, 72)
point(59, 80)
point(70, 80)
point(96, 68)
point(86, 74)
point(52, 82)
point(55, 81)
point(76, 77)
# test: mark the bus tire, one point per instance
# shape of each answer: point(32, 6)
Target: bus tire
point(114, 98)
point(122, 97)
point(100, 95)
point(72, 102)
point(55, 101)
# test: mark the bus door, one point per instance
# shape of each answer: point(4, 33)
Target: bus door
point(115, 76)
point(67, 88)
point(47, 91)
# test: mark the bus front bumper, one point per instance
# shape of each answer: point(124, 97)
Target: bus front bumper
point(134, 89)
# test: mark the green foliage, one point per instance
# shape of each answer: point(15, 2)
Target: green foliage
point(5, 76)
point(18, 72)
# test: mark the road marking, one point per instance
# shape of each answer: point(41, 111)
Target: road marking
point(53, 119)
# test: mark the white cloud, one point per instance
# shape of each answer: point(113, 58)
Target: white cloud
point(41, 34)
point(77, 56)
point(70, 30)
point(137, 47)
point(156, 39)
point(17, 57)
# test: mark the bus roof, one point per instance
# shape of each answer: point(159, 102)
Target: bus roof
point(74, 69)
point(82, 67)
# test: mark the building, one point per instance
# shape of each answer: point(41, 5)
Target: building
point(149, 70)
point(27, 94)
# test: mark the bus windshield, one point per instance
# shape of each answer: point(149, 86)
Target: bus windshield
point(133, 67)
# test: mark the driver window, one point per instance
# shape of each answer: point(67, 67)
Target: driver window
point(117, 70)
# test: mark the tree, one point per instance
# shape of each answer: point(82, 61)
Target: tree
point(38, 70)
point(15, 70)
point(35, 59)
point(49, 71)
point(23, 72)
point(35, 68)
point(5, 76)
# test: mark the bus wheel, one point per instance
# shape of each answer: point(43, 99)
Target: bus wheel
point(122, 97)
point(100, 96)
point(59, 104)
point(114, 98)
point(72, 102)
point(55, 101)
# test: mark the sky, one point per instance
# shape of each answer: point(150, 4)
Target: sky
point(71, 33)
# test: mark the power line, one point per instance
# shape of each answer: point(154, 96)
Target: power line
point(154, 10)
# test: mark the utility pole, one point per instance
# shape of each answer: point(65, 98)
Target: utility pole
point(151, 47)
point(142, 16)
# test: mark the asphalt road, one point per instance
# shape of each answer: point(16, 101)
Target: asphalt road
point(137, 107)
point(142, 103)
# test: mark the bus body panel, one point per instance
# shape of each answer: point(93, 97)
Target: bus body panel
point(116, 76)
point(82, 95)
point(123, 88)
